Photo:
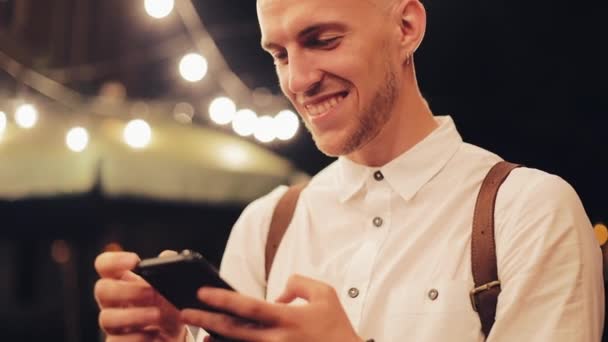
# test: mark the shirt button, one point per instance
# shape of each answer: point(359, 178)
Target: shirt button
point(378, 176)
point(433, 294)
point(353, 292)
point(378, 221)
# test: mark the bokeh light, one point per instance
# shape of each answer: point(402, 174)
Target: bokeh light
point(137, 134)
point(77, 139)
point(26, 116)
point(3, 122)
point(193, 67)
point(286, 125)
point(265, 129)
point(244, 122)
point(159, 8)
point(183, 113)
point(222, 110)
point(60, 251)
point(601, 233)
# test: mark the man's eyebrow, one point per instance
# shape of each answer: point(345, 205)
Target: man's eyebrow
point(308, 31)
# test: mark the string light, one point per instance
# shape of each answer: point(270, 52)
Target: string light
point(193, 67)
point(77, 139)
point(137, 134)
point(26, 116)
point(264, 130)
point(244, 122)
point(159, 8)
point(3, 122)
point(286, 125)
point(601, 233)
point(183, 113)
point(222, 110)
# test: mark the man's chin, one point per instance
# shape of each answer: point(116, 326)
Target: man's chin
point(331, 148)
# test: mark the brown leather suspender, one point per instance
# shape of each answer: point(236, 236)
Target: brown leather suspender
point(484, 296)
point(281, 217)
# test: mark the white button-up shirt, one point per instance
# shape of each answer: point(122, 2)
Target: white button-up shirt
point(396, 247)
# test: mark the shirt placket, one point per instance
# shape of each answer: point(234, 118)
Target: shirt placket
point(357, 281)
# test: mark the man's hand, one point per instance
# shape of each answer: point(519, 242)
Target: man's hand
point(321, 319)
point(131, 310)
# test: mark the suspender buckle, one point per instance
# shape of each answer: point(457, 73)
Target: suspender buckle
point(482, 288)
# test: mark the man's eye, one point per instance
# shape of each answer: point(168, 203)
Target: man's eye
point(325, 43)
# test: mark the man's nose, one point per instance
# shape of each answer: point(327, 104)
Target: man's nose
point(303, 75)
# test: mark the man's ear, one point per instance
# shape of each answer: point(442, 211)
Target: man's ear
point(412, 23)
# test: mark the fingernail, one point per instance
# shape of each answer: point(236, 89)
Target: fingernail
point(129, 259)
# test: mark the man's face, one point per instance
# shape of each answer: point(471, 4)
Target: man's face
point(337, 64)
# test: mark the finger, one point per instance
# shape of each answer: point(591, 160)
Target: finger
point(115, 264)
point(225, 325)
point(167, 253)
point(116, 293)
point(241, 305)
point(128, 320)
point(306, 288)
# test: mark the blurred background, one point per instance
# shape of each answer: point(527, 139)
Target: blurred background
point(149, 125)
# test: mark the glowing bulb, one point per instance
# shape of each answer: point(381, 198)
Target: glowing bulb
point(222, 110)
point(601, 233)
point(26, 116)
point(193, 67)
point(183, 113)
point(286, 125)
point(159, 8)
point(3, 121)
point(137, 134)
point(264, 130)
point(244, 122)
point(77, 139)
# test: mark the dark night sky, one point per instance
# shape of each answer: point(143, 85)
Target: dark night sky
point(523, 79)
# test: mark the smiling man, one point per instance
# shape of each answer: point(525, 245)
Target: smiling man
point(379, 245)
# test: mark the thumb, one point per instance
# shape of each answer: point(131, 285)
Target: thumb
point(167, 253)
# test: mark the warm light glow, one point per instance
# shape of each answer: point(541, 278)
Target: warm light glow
point(264, 130)
point(113, 247)
point(601, 233)
point(244, 122)
point(137, 134)
point(159, 8)
point(183, 113)
point(193, 67)
point(77, 139)
point(3, 121)
point(286, 125)
point(233, 155)
point(60, 251)
point(26, 116)
point(222, 110)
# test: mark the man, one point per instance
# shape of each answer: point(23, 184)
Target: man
point(379, 244)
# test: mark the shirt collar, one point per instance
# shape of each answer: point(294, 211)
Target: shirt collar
point(411, 170)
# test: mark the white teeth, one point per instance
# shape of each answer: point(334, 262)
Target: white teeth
point(325, 106)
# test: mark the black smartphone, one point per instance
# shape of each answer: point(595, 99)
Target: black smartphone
point(179, 277)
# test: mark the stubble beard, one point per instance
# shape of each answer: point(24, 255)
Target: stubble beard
point(371, 120)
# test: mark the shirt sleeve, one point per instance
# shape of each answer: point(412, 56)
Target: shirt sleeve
point(549, 263)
